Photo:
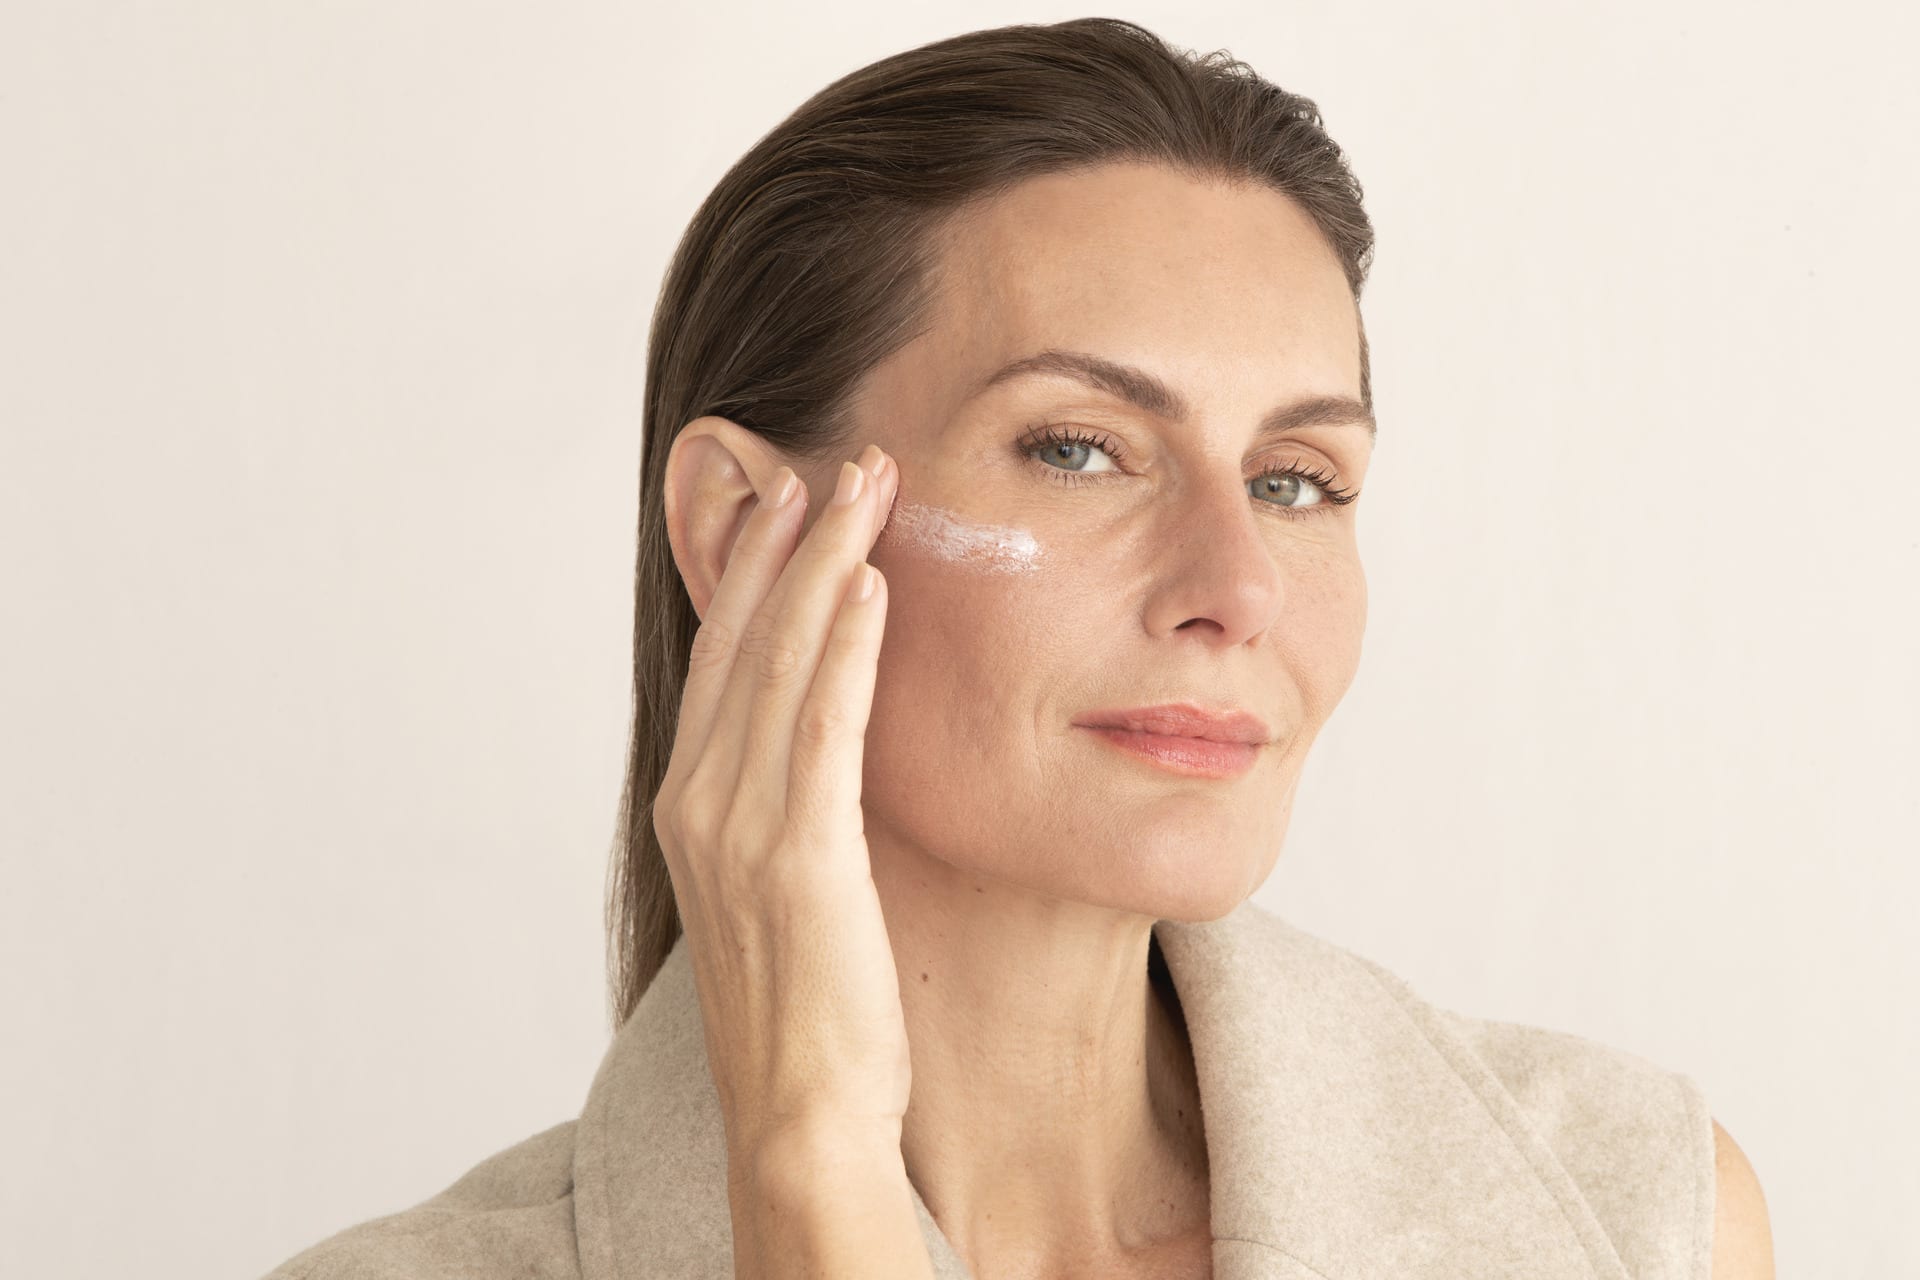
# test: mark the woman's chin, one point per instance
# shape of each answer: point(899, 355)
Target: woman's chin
point(1197, 885)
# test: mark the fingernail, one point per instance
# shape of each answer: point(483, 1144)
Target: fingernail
point(876, 461)
point(852, 480)
point(785, 483)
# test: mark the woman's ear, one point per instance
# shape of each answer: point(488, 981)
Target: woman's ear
point(717, 471)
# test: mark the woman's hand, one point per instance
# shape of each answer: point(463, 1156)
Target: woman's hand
point(760, 821)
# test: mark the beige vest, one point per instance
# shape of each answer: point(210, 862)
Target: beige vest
point(1354, 1132)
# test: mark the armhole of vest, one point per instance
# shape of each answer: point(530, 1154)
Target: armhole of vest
point(1441, 1028)
point(1693, 1111)
point(1705, 1190)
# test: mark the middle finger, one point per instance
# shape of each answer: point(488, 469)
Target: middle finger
point(782, 646)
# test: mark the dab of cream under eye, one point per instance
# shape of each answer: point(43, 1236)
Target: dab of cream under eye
point(995, 548)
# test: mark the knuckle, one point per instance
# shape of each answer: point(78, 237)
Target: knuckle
point(775, 656)
point(718, 851)
point(661, 813)
point(820, 724)
point(690, 818)
point(670, 825)
point(713, 641)
point(780, 663)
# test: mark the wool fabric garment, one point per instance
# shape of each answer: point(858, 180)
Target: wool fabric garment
point(1354, 1132)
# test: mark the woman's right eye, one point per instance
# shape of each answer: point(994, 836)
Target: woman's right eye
point(1069, 451)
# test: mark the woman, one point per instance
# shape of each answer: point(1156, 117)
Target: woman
point(934, 955)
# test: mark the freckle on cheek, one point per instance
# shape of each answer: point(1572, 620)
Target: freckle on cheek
point(939, 532)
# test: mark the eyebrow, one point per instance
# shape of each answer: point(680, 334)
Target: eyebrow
point(1146, 392)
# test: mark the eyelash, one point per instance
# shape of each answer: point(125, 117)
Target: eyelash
point(1322, 480)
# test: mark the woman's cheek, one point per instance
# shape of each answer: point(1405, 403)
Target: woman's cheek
point(958, 591)
point(966, 618)
point(1324, 631)
point(940, 534)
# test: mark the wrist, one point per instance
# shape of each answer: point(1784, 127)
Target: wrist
point(800, 1152)
point(825, 1199)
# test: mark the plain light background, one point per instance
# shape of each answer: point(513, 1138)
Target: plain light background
point(321, 341)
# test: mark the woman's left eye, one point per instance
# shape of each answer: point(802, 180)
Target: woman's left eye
point(1054, 445)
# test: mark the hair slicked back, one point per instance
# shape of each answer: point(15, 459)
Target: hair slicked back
point(811, 262)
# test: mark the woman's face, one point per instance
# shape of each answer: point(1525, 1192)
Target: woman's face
point(1131, 555)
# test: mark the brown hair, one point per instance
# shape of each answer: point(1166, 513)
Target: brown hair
point(811, 262)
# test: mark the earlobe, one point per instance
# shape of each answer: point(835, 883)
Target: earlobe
point(715, 473)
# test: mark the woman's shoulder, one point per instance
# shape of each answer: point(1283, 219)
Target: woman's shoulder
point(511, 1215)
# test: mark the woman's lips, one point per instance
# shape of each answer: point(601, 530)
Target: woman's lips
point(1194, 757)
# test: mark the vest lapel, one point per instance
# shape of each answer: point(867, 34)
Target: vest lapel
point(1349, 1134)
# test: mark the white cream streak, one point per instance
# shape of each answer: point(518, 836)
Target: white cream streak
point(981, 546)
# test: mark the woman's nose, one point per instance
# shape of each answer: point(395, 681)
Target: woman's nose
point(1220, 565)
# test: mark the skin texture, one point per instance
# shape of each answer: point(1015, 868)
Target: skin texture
point(1021, 861)
point(1742, 1234)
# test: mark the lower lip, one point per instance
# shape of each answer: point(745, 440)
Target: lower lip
point(1194, 757)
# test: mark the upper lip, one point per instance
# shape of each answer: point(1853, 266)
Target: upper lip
point(1183, 720)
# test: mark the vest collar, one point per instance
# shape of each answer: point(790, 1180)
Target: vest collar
point(1350, 1133)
